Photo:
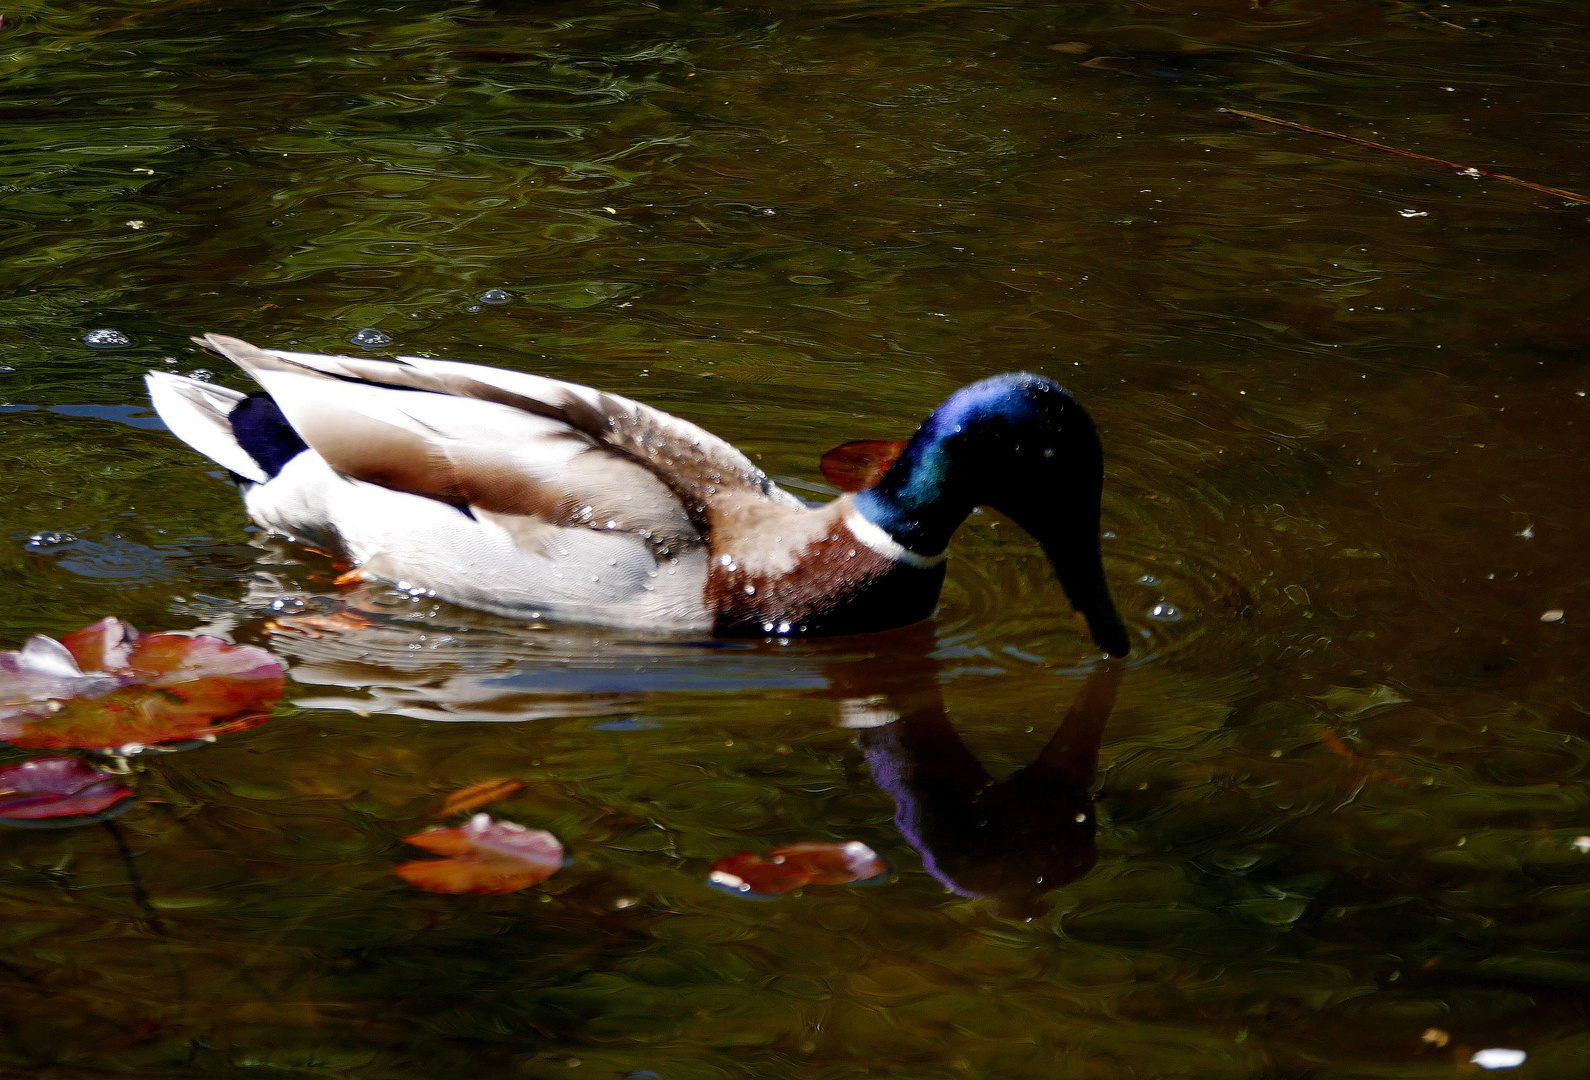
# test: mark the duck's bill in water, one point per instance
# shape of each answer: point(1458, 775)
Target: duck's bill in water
point(1081, 574)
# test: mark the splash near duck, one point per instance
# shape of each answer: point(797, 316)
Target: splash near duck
point(539, 499)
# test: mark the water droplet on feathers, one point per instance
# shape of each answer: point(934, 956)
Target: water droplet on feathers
point(370, 338)
point(106, 339)
point(1148, 579)
point(1164, 612)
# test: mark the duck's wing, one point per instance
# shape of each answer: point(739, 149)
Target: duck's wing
point(521, 462)
point(697, 466)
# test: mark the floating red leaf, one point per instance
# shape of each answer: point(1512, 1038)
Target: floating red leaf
point(786, 868)
point(58, 791)
point(485, 857)
point(859, 464)
point(107, 686)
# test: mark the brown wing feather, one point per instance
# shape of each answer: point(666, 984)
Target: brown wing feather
point(693, 463)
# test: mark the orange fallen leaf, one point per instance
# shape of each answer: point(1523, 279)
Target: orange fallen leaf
point(319, 625)
point(856, 465)
point(784, 869)
point(475, 796)
point(484, 857)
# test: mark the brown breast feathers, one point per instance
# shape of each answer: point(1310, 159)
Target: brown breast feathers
point(835, 584)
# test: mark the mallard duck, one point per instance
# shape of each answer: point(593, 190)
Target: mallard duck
point(538, 499)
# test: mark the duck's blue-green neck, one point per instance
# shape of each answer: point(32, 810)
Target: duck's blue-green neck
point(1022, 445)
point(957, 459)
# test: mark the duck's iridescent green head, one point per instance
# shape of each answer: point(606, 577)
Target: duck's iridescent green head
point(1023, 446)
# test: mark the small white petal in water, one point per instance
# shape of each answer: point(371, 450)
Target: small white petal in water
point(1498, 1058)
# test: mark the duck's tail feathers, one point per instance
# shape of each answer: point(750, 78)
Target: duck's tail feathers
point(255, 360)
point(199, 413)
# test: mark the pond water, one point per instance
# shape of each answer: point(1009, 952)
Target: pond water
point(1343, 400)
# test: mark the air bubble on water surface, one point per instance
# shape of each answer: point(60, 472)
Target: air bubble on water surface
point(106, 339)
point(1164, 612)
point(370, 338)
point(44, 541)
point(495, 296)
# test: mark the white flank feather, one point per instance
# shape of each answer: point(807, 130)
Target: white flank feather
point(578, 575)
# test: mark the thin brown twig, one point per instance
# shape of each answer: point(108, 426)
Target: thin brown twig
point(1466, 170)
point(1452, 25)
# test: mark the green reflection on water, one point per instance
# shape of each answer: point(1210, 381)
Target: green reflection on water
point(1337, 796)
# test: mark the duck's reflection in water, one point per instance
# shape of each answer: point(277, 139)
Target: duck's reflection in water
point(1009, 840)
point(374, 651)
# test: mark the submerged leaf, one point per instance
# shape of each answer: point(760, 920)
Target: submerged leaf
point(1352, 701)
point(320, 624)
point(787, 868)
point(107, 686)
point(54, 792)
point(485, 857)
point(475, 796)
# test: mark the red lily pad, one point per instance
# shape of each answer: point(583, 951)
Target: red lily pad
point(856, 465)
point(485, 857)
point(787, 868)
point(54, 792)
point(107, 686)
